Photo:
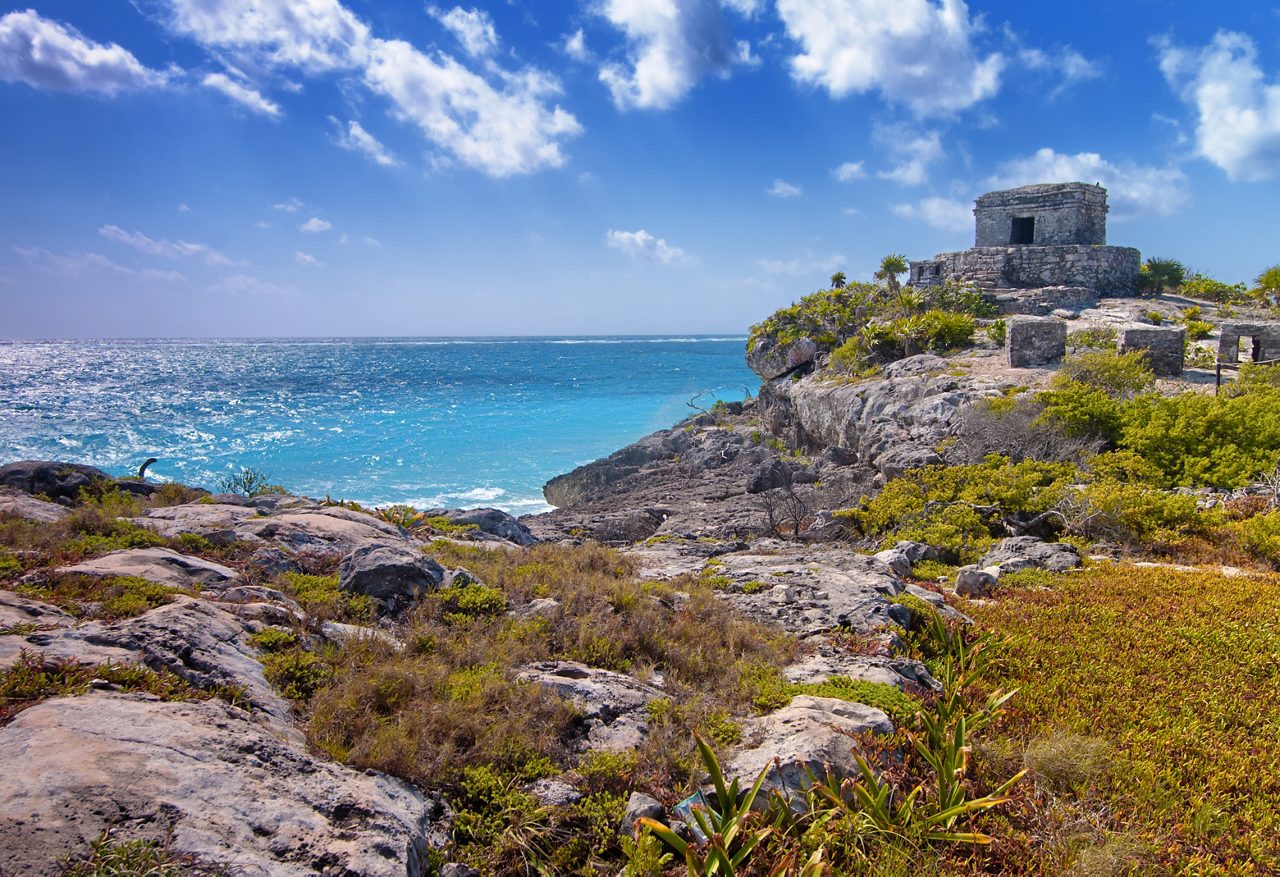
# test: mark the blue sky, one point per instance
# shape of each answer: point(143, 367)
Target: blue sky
point(349, 167)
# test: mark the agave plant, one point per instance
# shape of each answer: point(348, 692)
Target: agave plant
point(727, 826)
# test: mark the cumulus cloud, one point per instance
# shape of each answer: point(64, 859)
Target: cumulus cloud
point(183, 208)
point(51, 56)
point(943, 213)
point(808, 263)
point(304, 258)
point(290, 206)
point(1237, 108)
point(497, 121)
point(746, 8)
point(315, 225)
point(312, 35)
point(918, 53)
point(242, 93)
point(912, 154)
point(501, 129)
point(355, 138)
point(1067, 64)
point(783, 189)
point(168, 249)
point(670, 46)
point(473, 29)
point(643, 245)
point(1132, 189)
point(81, 264)
point(575, 45)
point(849, 171)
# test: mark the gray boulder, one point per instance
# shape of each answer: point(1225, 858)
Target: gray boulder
point(18, 611)
point(19, 505)
point(1027, 552)
point(896, 560)
point(395, 576)
point(611, 704)
point(50, 478)
point(160, 565)
point(292, 523)
point(972, 581)
point(770, 360)
point(916, 551)
point(639, 806)
point(225, 789)
point(491, 523)
point(804, 738)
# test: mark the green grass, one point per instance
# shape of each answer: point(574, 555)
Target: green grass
point(102, 597)
point(1178, 674)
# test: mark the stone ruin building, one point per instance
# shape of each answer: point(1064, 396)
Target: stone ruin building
point(1038, 249)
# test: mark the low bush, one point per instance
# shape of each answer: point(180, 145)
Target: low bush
point(102, 597)
point(321, 598)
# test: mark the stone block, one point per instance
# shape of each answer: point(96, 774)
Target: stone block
point(1033, 341)
point(1164, 346)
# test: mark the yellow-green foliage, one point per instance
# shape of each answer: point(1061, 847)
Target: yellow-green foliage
point(1132, 513)
point(321, 598)
point(10, 566)
point(899, 707)
point(112, 857)
point(295, 672)
point(951, 507)
point(1177, 672)
point(101, 597)
point(827, 316)
point(1260, 536)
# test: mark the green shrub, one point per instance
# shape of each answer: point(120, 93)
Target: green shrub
point(1119, 375)
point(101, 597)
point(123, 535)
point(143, 857)
point(1202, 287)
point(273, 639)
point(296, 673)
point(321, 597)
point(1135, 513)
point(1260, 536)
point(997, 331)
point(898, 706)
point(470, 600)
point(1101, 338)
point(250, 482)
point(10, 566)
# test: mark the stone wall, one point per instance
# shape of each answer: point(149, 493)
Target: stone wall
point(1105, 270)
point(1164, 346)
point(1044, 301)
point(1265, 335)
point(1068, 213)
point(1033, 341)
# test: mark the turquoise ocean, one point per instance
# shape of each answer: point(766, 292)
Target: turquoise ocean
point(424, 421)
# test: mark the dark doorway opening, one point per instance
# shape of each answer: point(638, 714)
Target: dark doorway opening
point(1024, 230)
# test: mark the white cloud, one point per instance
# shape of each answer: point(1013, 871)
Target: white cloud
point(746, 8)
point(245, 285)
point(849, 171)
point(473, 29)
point(944, 213)
point(498, 121)
point(809, 263)
point(51, 56)
point(315, 225)
point(783, 189)
point(305, 258)
point(1066, 63)
point(372, 242)
point(290, 206)
point(262, 223)
point(919, 53)
point(168, 249)
point(501, 130)
point(1237, 109)
point(89, 264)
point(575, 46)
point(670, 46)
point(644, 245)
point(183, 208)
point(313, 35)
point(913, 154)
point(1132, 189)
point(242, 93)
point(356, 139)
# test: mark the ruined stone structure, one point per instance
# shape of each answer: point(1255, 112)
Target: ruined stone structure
point(1262, 341)
point(1032, 341)
point(1037, 249)
point(1165, 346)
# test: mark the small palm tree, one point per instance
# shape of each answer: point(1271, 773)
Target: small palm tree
point(1162, 275)
point(838, 280)
point(890, 267)
point(1267, 285)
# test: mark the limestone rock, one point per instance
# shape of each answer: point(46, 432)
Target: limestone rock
point(554, 793)
point(291, 523)
point(163, 566)
point(974, 582)
point(16, 610)
point(1026, 552)
point(50, 478)
point(1164, 346)
point(229, 790)
point(612, 704)
point(393, 575)
point(896, 560)
point(639, 805)
point(22, 506)
point(1034, 341)
point(805, 737)
point(771, 360)
point(489, 523)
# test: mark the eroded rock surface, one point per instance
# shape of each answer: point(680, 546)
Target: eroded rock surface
point(612, 704)
point(20, 505)
point(1026, 552)
point(163, 566)
point(228, 790)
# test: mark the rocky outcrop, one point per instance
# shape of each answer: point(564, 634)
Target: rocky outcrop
point(292, 523)
point(488, 524)
point(611, 705)
point(395, 576)
point(891, 422)
point(769, 359)
point(222, 789)
point(20, 505)
point(52, 479)
point(586, 482)
point(1026, 552)
point(160, 565)
point(801, 741)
